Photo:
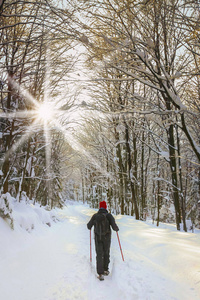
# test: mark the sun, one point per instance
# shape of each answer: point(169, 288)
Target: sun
point(45, 112)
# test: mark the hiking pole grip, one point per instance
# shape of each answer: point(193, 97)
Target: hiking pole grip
point(120, 246)
point(90, 245)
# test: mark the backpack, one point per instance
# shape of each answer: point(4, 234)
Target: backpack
point(102, 225)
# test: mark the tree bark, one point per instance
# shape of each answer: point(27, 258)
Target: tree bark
point(172, 157)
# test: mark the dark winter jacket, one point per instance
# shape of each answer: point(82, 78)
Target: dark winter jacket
point(109, 217)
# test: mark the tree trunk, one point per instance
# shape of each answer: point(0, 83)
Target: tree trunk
point(181, 182)
point(158, 203)
point(158, 192)
point(134, 183)
point(22, 186)
point(120, 173)
point(8, 139)
point(143, 202)
point(173, 167)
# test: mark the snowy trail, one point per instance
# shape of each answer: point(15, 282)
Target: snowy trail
point(53, 264)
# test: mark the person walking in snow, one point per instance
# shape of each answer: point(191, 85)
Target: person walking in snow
point(102, 221)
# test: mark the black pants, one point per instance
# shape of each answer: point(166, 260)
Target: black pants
point(102, 245)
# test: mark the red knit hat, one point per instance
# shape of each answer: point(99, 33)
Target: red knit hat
point(103, 204)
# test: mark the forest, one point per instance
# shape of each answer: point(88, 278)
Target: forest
point(100, 100)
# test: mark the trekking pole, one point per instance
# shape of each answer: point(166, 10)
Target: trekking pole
point(90, 245)
point(120, 246)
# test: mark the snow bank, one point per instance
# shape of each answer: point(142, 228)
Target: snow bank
point(24, 214)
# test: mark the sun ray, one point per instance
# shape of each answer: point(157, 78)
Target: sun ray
point(18, 114)
point(23, 92)
point(79, 148)
point(20, 142)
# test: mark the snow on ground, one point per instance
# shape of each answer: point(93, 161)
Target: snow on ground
point(52, 263)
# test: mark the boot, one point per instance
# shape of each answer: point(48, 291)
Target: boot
point(101, 277)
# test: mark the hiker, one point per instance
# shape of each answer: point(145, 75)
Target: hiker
point(102, 221)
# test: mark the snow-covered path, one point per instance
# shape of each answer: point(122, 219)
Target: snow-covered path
point(53, 264)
